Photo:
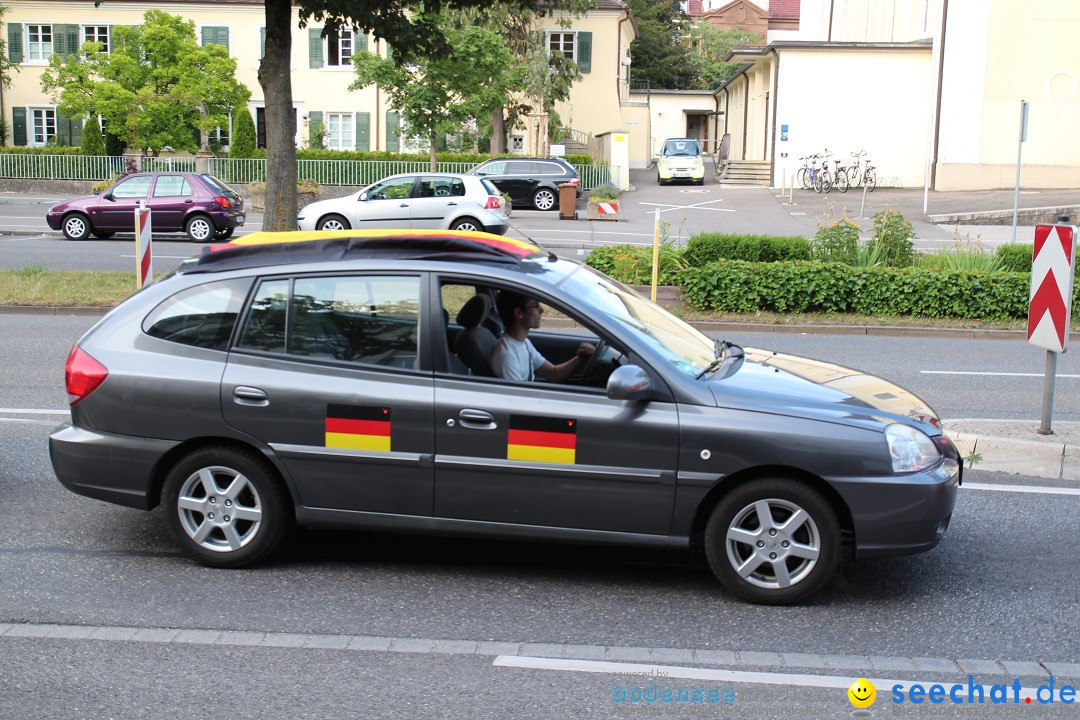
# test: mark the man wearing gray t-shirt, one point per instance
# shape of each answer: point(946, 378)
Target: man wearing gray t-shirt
point(514, 357)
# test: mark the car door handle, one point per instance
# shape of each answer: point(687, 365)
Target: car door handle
point(188, 201)
point(246, 395)
point(404, 205)
point(452, 204)
point(477, 419)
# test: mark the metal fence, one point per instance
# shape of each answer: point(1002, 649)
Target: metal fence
point(236, 170)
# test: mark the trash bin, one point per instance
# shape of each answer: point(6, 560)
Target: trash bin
point(567, 202)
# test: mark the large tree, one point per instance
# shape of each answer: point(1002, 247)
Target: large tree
point(156, 86)
point(439, 94)
point(659, 52)
point(712, 44)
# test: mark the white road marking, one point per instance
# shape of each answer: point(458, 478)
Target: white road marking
point(1032, 489)
point(23, 411)
point(641, 674)
point(1000, 374)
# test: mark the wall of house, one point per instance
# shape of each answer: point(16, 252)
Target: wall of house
point(982, 91)
point(637, 121)
point(882, 107)
point(733, 104)
point(670, 111)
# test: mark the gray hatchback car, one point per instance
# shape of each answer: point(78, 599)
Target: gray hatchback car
point(341, 383)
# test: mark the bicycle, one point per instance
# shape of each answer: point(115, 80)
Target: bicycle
point(862, 172)
point(822, 178)
point(810, 176)
point(840, 174)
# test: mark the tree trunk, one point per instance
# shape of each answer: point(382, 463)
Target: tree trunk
point(433, 153)
point(498, 132)
point(275, 73)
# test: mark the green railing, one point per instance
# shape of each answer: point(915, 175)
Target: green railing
point(235, 170)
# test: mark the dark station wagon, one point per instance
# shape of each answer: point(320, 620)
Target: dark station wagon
point(197, 204)
point(340, 380)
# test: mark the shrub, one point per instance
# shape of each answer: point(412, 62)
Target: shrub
point(893, 233)
point(93, 142)
point(707, 247)
point(838, 242)
point(604, 193)
point(632, 264)
point(972, 260)
point(1016, 258)
point(243, 139)
point(103, 185)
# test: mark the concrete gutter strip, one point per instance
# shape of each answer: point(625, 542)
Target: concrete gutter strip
point(1025, 216)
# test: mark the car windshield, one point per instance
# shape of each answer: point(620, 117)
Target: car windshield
point(681, 147)
point(680, 344)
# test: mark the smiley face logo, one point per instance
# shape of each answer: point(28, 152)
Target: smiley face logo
point(862, 693)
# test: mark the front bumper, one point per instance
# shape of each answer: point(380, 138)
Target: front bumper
point(114, 468)
point(54, 219)
point(681, 173)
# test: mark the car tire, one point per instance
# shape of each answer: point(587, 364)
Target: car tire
point(219, 478)
point(659, 180)
point(224, 234)
point(700, 182)
point(103, 234)
point(467, 223)
point(767, 560)
point(76, 226)
point(544, 199)
point(200, 228)
point(333, 222)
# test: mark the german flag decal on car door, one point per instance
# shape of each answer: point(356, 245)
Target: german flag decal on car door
point(358, 427)
point(542, 439)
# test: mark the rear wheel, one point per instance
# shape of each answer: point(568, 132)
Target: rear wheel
point(804, 178)
point(826, 181)
point(773, 541)
point(467, 223)
point(76, 226)
point(225, 507)
point(544, 199)
point(871, 179)
point(199, 228)
point(333, 222)
point(842, 179)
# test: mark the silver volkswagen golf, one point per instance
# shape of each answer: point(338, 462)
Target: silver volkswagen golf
point(342, 382)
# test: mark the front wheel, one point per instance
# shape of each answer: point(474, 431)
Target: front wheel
point(76, 226)
point(804, 178)
point(826, 181)
point(225, 507)
point(773, 541)
point(871, 179)
point(199, 228)
point(333, 222)
point(544, 199)
point(842, 180)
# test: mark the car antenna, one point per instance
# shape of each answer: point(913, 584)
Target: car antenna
point(552, 257)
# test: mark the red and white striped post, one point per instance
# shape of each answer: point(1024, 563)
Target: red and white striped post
point(144, 257)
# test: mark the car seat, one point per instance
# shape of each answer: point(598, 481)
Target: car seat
point(474, 344)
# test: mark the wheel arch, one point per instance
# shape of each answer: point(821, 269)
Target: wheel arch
point(748, 475)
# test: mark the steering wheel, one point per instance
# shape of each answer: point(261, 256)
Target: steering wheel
point(592, 362)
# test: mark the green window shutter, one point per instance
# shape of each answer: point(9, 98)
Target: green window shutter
point(262, 42)
point(73, 39)
point(60, 41)
point(18, 125)
point(315, 58)
point(212, 35)
point(363, 131)
point(584, 51)
point(360, 38)
point(72, 129)
point(393, 124)
point(14, 44)
point(314, 123)
point(63, 130)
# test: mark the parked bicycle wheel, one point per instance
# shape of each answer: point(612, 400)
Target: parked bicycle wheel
point(826, 181)
point(841, 181)
point(871, 179)
point(804, 178)
point(854, 176)
point(817, 182)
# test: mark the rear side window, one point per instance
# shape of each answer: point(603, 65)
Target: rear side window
point(220, 187)
point(172, 186)
point(363, 319)
point(546, 168)
point(202, 316)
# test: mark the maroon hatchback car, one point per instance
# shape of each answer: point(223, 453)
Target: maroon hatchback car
point(200, 205)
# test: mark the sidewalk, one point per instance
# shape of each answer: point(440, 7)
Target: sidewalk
point(1009, 446)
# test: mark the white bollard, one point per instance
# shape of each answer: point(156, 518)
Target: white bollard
point(144, 256)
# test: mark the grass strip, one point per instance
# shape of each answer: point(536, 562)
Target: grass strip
point(34, 285)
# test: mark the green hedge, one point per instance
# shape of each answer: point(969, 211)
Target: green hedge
point(1016, 258)
point(313, 154)
point(41, 150)
point(707, 247)
point(632, 264)
point(743, 287)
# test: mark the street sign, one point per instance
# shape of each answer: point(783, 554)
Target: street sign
point(144, 258)
point(1050, 300)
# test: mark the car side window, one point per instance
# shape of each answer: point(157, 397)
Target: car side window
point(494, 168)
point(201, 316)
point(264, 328)
point(134, 187)
point(546, 168)
point(172, 186)
point(396, 189)
point(441, 187)
point(521, 167)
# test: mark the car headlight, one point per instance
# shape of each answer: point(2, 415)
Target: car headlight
point(699, 162)
point(911, 450)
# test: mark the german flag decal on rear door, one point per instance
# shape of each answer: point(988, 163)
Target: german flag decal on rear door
point(542, 439)
point(358, 427)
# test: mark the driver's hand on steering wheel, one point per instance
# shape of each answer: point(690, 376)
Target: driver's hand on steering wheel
point(585, 350)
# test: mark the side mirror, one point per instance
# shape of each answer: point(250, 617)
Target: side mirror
point(107, 195)
point(629, 382)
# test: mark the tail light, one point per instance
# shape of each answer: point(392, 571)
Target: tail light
point(494, 202)
point(83, 374)
point(223, 202)
point(574, 181)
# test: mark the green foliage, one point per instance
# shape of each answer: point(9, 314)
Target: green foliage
point(103, 185)
point(893, 234)
point(971, 260)
point(632, 264)
point(93, 143)
point(317, 133)
point(706, 247)
point(838, 242)
point(868, 256)
point(658, 53)
point(712, 44)
point(40, 150)
point(736, 286)
point(1016, 258)
point(155, 85)
point(243, 134)
point(604, 193)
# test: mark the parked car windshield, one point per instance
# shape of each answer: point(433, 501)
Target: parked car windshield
point(680, 344)
point(681, 147)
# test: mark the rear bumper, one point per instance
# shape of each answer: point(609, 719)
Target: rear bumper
point(114, 468)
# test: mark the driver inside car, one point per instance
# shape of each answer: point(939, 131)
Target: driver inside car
point(514, 357)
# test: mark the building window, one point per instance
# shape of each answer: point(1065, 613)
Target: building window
point(517, 143)
point(563, 42)
point(339, 49)
point(339, 131)
point(39, 42)
point(215, 35)
point(98, 34)
point(44, 124)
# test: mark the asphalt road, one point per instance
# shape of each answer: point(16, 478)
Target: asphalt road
point(999, 588)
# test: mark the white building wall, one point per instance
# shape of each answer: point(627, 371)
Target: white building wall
point(668, 115)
